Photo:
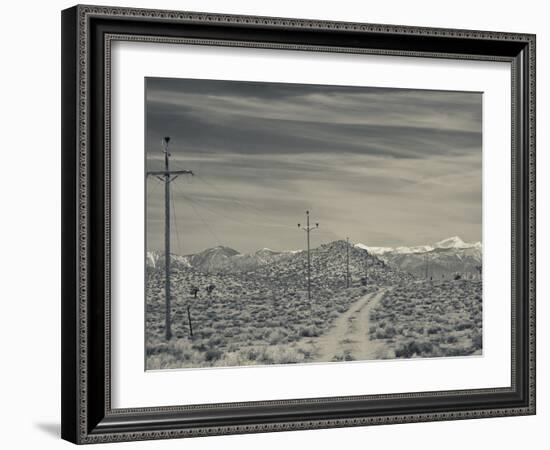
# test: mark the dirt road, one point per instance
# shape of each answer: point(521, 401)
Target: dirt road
point(348, 339)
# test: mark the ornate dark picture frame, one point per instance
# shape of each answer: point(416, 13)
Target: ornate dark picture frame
point(87, 35)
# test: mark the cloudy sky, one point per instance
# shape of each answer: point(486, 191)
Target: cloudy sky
point(383, 166)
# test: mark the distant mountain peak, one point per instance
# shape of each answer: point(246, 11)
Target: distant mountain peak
point(267, 250)
point(222, 249)
point(452, 242)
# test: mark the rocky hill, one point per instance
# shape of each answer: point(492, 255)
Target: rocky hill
point(328, 267)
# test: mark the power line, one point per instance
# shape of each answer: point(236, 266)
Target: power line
point(176, 223)
point(245, 205)
point(234, 219)
point(210, 230)
point(237, 201)
point(269, 223)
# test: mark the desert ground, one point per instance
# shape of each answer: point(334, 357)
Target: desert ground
point(260, 313)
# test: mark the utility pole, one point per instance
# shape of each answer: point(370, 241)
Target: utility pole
point(347, 262)
point(308, 229)
point(426, 258)
point(167, 176)
point(367, 269)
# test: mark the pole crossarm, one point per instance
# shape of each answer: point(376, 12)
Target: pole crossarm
point(309, 228)
point(169, 173)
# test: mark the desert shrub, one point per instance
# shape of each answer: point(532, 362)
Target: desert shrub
point(309, 331)
point(385, 333)
point(229, 332)
point(413, 348)
point(477, 341)
point(348, 356)
point(343, 356)
point(257, 333)
point(216, 341)
point(156, 348)
point(275, 337)
point(379, 333)
point(306, 352)
point(463, 326)
point(160, 361)
point(231, 359)
point(434, 329)
point(280, 355)
point(451, 339)
point(390, 331)
point(212, 354)
point(206, 332)
point(200, 345)
point(457, 351)
point(252, 354)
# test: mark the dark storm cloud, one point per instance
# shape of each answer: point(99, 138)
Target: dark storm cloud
point(384, 166)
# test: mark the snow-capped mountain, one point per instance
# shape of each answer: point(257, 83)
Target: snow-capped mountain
point(454, 242)
point(400, 250)
point(374, 250)
point(444, 258)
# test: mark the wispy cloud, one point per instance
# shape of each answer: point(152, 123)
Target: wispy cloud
point(382, 166)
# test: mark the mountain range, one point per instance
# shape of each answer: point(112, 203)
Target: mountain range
point(454, 242)
point(443, 259)
point(221, 259)
point(267, 271)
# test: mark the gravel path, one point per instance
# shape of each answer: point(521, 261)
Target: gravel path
point(348, 339)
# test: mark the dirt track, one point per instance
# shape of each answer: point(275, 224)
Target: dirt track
point(348, 339)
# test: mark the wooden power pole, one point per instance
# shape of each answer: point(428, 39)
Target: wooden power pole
point(367, 270)
point(167, 176)
point(427, 263)
point(308, 229)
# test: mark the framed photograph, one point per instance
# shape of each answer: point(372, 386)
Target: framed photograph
point(278, 224)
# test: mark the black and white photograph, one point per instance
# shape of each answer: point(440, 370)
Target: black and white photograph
point(275, 225)
point(299, 223)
